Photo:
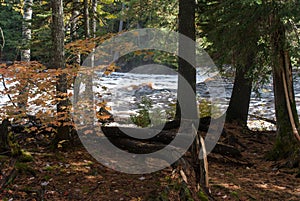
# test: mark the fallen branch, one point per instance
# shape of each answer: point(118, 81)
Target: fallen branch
point(263, 118)
point(205, 162)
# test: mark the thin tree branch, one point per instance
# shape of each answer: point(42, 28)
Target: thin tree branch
point(205, 161)
point(5, 87)
point(3, 39)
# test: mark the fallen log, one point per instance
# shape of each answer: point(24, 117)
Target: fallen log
point(158, 142)
point(163, 136)
point(204, 124)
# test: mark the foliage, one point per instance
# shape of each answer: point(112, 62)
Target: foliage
point(151, 14)
point(41, 97)
point(10, 22)
point(147, 116)
point(41, 32)
point(232, 29)
point(206, 109)
point(144, 57)
point(142, 118)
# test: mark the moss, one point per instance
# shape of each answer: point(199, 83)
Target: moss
point(51, 168)
point(3, 157)
point(285, 144)
point(185, 193)
point(25, 156)
point(163, 196)
point(60, 157)
point(281, 149)
point(47, 177)
point(14, 146)
point(21, 166)
point(234, 194)
point(202, 196)
point(24, 168)
point(48, 168)
point(5, 199)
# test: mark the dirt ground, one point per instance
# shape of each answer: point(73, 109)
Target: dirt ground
point(75, 175)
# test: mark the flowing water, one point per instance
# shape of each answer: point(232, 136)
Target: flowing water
point(123, 92)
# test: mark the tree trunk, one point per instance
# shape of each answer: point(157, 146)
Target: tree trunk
point(4, 145)
point(94, 20)
point(58, 62)
point(74, 35)
point(239, 102)
point(186, 68)
point(2, 44)
point(286, 143)
point(121, 23)
point(25, 52)
point(8, 144)
point(86, 19)
point(26, 29)
point(74, 20)
point(90, 71)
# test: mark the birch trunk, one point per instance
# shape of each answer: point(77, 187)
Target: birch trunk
point(26, 29)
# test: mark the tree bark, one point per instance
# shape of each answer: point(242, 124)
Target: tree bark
point(94, 19)
point(187, 49)
point(74, 20)
point(159, 141)
point(26, 30)
point(187, 70)
point(8, 144)
point(58, 62)
point(4, 128)
point(86, 19)
point(2, 44)
point(240, 99)
point(286, 144)
point(74, 36)
point(121, 23)
point(25, 52)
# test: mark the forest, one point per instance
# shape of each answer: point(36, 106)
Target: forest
point(149, 100)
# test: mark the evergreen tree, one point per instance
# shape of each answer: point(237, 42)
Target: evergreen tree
point(58, 62)
point(252, 35)
point(233, 29)
point(288, 139)
point(11, 25)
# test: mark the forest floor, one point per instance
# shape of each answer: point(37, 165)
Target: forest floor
point(75, 175)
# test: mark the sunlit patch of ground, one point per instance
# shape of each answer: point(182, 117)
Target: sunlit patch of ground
point(75, 175)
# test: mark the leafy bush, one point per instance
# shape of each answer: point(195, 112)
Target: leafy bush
point(147, 116)
point(142, 118)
